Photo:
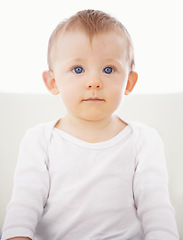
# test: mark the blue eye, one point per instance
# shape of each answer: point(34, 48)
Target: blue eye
point(108, 70)
point(78, 70)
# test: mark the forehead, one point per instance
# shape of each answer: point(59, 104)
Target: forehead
point(77, 44)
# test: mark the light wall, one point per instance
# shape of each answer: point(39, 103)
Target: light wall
point(155, 27)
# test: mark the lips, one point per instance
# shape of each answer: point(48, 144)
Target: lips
point(93, 100)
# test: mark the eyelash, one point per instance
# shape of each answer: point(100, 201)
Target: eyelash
point(111, 67)
point(75, 67)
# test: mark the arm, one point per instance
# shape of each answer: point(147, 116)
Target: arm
point(31, 186)
point(151, 189)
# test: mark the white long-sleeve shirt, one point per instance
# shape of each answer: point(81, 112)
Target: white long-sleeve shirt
point(68, 189)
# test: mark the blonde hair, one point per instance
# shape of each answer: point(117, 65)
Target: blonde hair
point(92, 22)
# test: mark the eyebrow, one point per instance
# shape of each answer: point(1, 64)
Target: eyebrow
point(73, 60)
point(84, 59)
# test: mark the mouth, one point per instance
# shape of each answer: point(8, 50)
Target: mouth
point(93, 100)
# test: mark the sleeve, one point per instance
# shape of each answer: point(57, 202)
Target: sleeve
point(151, 189)
point(31, 187)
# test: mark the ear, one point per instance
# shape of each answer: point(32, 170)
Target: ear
point(49, 80)
point(132, 79)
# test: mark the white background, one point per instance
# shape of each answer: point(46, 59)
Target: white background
point(156, 28)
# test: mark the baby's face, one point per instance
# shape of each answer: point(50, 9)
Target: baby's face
point(91, 76)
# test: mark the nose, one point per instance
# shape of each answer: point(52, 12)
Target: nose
point(94, 83)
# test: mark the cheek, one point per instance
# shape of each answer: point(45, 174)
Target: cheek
point(114, 99)
point(117, 90)
point(69, 95)
point(116, 93)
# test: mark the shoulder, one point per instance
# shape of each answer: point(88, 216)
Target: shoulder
point(144, 132)
point(42, 129)
point(146, 137)
point(149, 147)
point(149, 151)
point(35, 144)
point(39, 134)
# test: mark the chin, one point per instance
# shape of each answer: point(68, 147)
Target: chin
point(94, 116)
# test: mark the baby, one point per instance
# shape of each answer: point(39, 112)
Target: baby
point(90, 175)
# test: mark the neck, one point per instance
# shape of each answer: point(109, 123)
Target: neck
point(91, 131)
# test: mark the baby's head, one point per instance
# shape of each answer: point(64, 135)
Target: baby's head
point(91, 22)
point(91, 61)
